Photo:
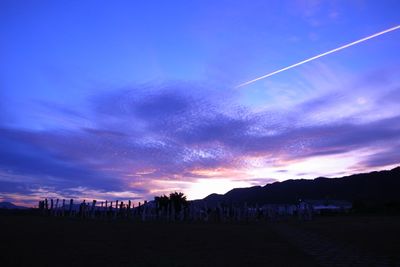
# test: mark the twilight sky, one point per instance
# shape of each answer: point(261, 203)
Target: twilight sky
point(132, 99)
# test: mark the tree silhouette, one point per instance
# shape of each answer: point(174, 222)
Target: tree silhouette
point(178, 201)
point(162, 202)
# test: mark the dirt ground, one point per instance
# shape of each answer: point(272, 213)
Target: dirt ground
point(331, 241)
point(372, 240)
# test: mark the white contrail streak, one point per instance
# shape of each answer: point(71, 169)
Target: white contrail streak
point(320, 55)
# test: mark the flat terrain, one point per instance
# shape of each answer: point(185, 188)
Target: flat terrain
point(347, 240)
point(377, 237)
point(331, 241)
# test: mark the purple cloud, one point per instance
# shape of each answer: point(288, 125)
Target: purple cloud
point(135, 136)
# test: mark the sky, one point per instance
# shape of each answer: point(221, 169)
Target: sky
point(117, 100)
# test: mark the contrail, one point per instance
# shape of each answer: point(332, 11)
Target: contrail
point(320, 55)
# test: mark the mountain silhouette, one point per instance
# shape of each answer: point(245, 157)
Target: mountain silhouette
point(374, 189)
point(10, 206)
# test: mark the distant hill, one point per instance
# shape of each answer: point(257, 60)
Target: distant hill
point(375, 188)
point(10, 206)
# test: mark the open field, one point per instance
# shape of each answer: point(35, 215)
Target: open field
point(330, 241)
point(371, 235)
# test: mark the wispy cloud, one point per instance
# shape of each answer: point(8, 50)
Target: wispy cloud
point(149, 140)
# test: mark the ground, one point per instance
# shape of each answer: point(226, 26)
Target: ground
point(327, 241)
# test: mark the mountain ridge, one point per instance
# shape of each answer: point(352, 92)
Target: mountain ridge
point(377, 187)
point(10, 206)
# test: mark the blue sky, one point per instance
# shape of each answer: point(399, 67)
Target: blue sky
point(131, 99)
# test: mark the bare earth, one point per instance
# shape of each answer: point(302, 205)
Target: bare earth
point(326, 241)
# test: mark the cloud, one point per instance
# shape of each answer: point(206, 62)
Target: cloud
point(386, 157)
point(30, 155)
point(180, 133)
